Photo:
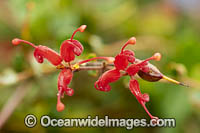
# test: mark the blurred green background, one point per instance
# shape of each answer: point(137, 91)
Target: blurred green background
point(170, 27)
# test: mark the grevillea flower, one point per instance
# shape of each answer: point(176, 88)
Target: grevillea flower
point(64, 79)
point(122, 60)
point(69, 48)
point(42, 52)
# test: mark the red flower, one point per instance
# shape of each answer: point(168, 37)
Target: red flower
point(42, 52)
point(108, 77)
point(142, 98)
point(64, 79)
point(122, 60)
point(69, 48)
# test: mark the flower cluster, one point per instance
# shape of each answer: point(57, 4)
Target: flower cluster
point(125, 64)
point(69, 48)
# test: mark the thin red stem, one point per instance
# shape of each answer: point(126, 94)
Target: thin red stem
point(148, 59)
point(33, 45)
point(81, 29)
point(91, 59)
point(146, 110)
point(125, 45)
point(74, 33)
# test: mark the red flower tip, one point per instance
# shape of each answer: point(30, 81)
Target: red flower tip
point(16, 41)
point(60, 106)
point(132, 41)
point(157, 56)
point(82, 28)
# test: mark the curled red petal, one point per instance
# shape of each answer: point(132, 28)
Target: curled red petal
point(102, 87)
point(38, 56)
point(45, 52)
point(69, 49)
point(108, 77)
point(64, 78)
point(121, 62)
point(79, 45)
point(130, 55)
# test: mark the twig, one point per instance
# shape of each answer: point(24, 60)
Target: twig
point(12, 103)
